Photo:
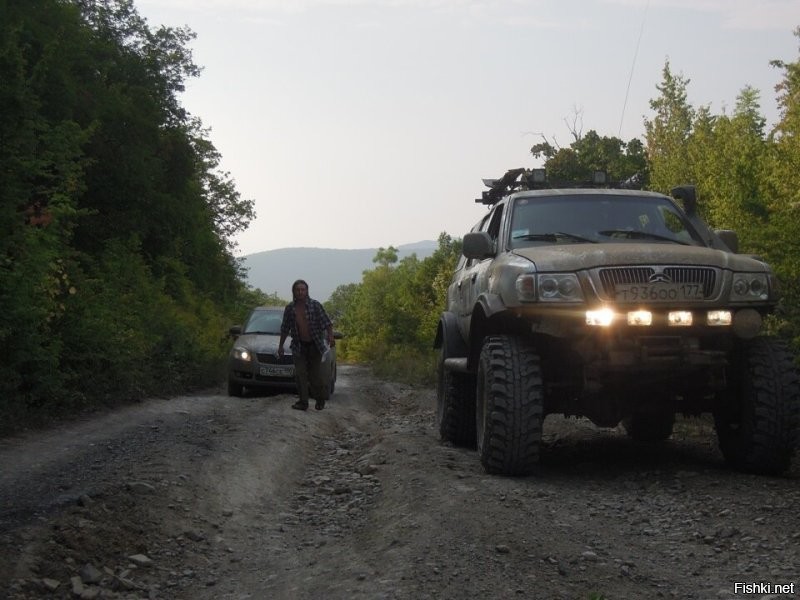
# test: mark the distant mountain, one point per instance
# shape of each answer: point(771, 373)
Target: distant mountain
point(324, 269)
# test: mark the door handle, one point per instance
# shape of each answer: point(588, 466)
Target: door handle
point(474, 277)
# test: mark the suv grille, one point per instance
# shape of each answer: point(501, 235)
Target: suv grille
point(704, 276)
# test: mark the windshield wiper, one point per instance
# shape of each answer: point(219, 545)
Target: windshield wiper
point(640, 235)
point(553, 237)
point(262, 332)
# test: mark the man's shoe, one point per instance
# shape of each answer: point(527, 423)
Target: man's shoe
point(300, 406)
point(320, 404)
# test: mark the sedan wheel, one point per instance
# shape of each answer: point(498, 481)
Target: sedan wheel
point(235, 389)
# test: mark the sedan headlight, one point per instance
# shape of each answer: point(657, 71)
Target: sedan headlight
point(244, 354)
point(749, 287)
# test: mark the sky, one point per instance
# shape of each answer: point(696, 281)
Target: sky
point(369, 123)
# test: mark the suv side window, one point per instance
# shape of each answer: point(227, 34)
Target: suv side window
point(494, 223)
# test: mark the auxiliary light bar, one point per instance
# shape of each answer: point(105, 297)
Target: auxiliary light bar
point(605, 317)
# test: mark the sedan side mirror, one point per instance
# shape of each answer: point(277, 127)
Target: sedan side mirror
point(235, 331)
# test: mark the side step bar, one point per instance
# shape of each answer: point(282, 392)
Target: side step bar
point(456, 364)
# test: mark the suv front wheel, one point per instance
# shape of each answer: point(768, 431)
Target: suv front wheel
point(757, 423)
point(509, 406)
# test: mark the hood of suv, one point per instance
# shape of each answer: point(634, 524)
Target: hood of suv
point(576, 257)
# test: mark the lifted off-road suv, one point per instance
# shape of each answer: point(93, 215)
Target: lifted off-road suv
point(614, 304)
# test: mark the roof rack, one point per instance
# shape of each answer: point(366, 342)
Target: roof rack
point(516, 180)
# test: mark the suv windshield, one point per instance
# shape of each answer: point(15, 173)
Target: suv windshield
point(595, 218)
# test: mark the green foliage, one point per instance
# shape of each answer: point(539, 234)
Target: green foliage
point(389, 319)
point(667, 134)
point(591, 153)
point(747, 178)
point(781, 182)
point(342, 297)
point(117, 277)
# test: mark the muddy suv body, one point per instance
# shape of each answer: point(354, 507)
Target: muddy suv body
point(617, 305)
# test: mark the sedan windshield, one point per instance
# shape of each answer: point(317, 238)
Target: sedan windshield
point(264, 321)
point(596, 218)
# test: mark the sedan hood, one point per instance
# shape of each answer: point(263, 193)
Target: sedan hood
point(574, 257)
point(263, 343)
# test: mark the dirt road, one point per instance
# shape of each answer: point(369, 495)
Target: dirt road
point(210, 497)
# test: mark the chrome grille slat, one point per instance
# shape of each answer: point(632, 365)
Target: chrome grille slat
point(613, 276)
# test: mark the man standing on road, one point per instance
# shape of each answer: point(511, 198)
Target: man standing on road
point(310, 327)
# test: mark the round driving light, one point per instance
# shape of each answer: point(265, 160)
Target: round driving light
point(756, 287)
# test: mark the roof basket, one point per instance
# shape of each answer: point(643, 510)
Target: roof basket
point(521, 179)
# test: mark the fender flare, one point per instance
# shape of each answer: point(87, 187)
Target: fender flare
point(448, 336)
point(491, 304)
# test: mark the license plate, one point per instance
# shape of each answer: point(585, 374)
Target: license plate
point(658, 292)
point(278, 371)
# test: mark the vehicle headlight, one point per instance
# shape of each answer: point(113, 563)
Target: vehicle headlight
point(559, 287)
point(244, 354)
point(749, 287)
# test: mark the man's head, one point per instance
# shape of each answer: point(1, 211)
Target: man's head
point(300, 290)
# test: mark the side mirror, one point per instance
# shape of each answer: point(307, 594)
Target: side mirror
point(235, 331)
point(729, 238)
point(477, 245)
point(337, 335)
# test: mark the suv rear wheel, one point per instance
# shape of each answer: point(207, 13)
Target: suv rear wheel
point(757, 424)
point(455, 405)
point(509, 406)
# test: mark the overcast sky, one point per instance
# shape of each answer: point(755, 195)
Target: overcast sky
point(367, 123)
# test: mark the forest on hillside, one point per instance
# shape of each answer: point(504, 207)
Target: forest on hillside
point(117, 224)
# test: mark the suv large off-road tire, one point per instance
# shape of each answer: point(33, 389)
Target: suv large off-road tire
point(757, 421)
point(455, 405)
point(509, 406)
point(649, 427)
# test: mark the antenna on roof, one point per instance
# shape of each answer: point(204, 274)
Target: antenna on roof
point(633, 65)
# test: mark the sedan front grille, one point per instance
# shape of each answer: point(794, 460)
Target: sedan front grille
point(271, 359)
point(704, 276)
